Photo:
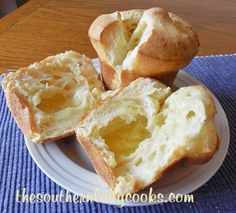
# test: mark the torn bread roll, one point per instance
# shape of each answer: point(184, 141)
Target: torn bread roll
point(47, 99)
point(135, 136)
point(151, 43)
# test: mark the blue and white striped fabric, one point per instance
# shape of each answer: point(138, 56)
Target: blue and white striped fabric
point(18, 170)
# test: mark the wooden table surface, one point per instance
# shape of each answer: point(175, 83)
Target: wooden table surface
point(44, 27)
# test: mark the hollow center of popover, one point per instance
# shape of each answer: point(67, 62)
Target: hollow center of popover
point(123, 138)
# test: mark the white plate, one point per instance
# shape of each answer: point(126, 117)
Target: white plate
point(66, 163)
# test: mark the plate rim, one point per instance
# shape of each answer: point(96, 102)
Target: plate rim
point(44, 165)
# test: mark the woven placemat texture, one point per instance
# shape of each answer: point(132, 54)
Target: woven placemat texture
point(18, 170)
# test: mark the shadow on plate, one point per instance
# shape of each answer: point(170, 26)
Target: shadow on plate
point(73, 150)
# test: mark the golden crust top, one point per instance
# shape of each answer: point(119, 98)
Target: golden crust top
point(143, 42)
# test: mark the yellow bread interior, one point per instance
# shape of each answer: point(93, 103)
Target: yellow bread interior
point(145, 129)
point(58, 91)
point(143, 42)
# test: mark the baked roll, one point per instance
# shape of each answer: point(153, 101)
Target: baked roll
point(47, 99)
point(151, 43)
point(134, 137)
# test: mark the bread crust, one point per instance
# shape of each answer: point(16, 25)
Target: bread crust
point(98, 161)
point(162, 54)
point(180, 162)
point(26, 89)
point(187, 161)
point(182, 155)
point(109, 75)
point(24, 116)
point(108, 175)
point(21, 111)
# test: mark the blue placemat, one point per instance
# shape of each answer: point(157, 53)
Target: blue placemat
point(18, 170)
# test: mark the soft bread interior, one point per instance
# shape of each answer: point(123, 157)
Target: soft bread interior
point(145, 129)
point(124, 36)
point(124, 39)
point(142, 32)
point(59, 90)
